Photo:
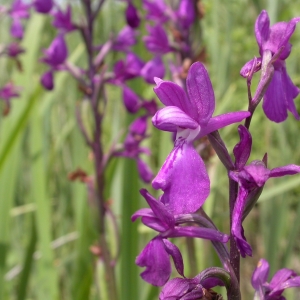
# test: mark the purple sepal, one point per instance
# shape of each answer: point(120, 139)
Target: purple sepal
point(47, 80)
point(43, 6)
point(63, 20)
point(16, 29)
point(260, 274)
point(156, 10)
point(19, 10)
point(186, 13)
point(132, 17)
point(246, 69)
point(242, 150)
point(14, 49)
point(131, 100)
point(144, 170)
point(125, 39)
point(174, 252)
point(156, 260)
point(157, 40)
point(153, 68)
point(57, 52)
point(184, 179)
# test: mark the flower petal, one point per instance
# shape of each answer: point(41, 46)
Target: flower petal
point(153, 68)
point(184, 179)
point(286, 170)
point(156, 260)
point(237, 230)
point(262, 26)
point(201, 94)
point(143, 212)
point(278, 290)
point(176, 256)
point(246, 69)
point(223, 120)
point(274, 104)
point(171, 117)
point(260, 274)
point(242, 150)
point(144, 171)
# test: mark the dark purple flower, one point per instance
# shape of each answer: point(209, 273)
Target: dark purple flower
point(153, 68)
point(19, 10)
point(156, 10)
point(156, 253)
point(47, 80)
point(63, 20)
point(280, 94)
point(157, 40)
point(250, 178)
point(43, 6)
point(131, 100)
point(125, 39)
point(57, 52)
point(183, 177)
point(282, 279)
point(16, 29)
point(14, 49)
point(7, 92)
point(132, 17)
point(186, 13)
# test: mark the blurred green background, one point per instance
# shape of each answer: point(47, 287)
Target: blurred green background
point(47, 226)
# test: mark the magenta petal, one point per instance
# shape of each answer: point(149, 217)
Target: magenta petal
point(262, 26)
point(201, 93)
point(286, 170)
point(144, 171)
point(171, 94)
point(260, 274)
point(184, 180)
point(237, 230)
point(153, 68)
point(278, 290)
point(131, 99)
point(143, 212)
point(156, 260)
point(155, 223)
point(171, 117)
point(198, 232)
point(221, 121)
point(174, 288)
point(176, 256)
point(274, 104)
point(158, 209)
point(246, 69)
point(242, 150)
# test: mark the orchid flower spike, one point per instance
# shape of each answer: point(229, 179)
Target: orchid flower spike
point(183, 177)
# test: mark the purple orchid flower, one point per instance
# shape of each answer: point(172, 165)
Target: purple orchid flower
point(47, 80)
point(43, 6)
point(183, 177)
point(282, 279)
point(157, 40)
point(155, 256)
point(186, 13)
point(18, 11)
point(63, 20)
point(7, 92)
point(14, 49)
point(250, 178)
point(153, 68)
point(156, 10)
point(57, 52)
point(125, 39)
point(280, 94)
point(132, 16)
point(131, 100)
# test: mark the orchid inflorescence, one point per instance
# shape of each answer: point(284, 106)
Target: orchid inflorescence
point(184, 180)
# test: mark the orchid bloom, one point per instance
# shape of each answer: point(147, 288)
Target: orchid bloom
point(155, 256)
point(280, 94)
point(183, 177)
point(282, 279)
point(250, 178)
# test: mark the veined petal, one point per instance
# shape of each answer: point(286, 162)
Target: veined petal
point(176, 256)
point(201, 93)
point(237, 230)
point(262, 28)
point(156, 260)
point(198, 232)
point(171, 117)
point(242, 150)
point(274, 104)
point(278, 290)
point(171, 94)
point(184, 180)
point(221, 121)
point(286, 170)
